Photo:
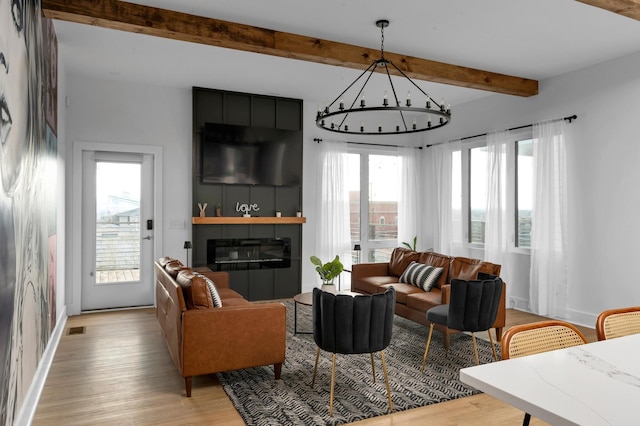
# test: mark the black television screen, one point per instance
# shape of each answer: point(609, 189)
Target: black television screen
point(251, 155)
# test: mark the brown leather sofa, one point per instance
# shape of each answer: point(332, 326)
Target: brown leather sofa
point(413, 302)
point(203, 339)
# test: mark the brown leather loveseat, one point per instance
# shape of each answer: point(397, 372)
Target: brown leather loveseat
point(413, 302)
point(204, 339)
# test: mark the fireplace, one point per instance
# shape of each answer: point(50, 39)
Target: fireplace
point(251, 253)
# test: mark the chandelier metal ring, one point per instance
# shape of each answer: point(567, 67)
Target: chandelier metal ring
point(387, 119)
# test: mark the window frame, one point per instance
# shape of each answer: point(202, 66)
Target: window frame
point(367, 245)
point(512, 175)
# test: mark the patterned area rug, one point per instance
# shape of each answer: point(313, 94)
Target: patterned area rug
point(261, 400)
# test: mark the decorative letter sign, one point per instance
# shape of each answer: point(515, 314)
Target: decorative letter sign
point(246, 208)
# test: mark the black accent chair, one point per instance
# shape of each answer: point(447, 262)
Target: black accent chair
point(473, 306)
point(346, 324)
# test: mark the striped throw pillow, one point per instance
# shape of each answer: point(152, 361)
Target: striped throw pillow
point(421, 275)
point(215, 296)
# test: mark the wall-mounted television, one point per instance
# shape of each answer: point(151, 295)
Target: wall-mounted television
point(251, 155)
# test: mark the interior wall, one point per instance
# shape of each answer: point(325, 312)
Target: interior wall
point(602, 175)
point(106, 111)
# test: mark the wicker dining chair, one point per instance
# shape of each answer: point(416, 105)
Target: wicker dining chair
point(618, 322)
point(537, 337)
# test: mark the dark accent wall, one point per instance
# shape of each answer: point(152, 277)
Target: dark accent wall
point(243, 109)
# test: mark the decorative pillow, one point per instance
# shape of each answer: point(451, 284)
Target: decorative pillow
point(420, 275)
point(215, 296)
point(194, 289)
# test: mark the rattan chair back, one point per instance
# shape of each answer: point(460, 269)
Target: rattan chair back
point(618, 322)
point(543, 336)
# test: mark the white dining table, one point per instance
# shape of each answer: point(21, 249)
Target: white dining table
point(593, 384)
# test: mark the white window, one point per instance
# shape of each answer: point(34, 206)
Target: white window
point(469, 193)
point(374, 186)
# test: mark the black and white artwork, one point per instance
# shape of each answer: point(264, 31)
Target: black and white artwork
point(27, 170)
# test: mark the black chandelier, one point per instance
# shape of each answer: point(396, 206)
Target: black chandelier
point(386, 119)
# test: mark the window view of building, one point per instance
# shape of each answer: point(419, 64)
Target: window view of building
point(378, 197)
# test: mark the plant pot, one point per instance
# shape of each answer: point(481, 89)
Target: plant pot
point(218, 212)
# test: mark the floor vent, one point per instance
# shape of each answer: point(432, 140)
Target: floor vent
point(76, 330)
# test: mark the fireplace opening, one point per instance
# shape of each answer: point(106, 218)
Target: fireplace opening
point(251, 253)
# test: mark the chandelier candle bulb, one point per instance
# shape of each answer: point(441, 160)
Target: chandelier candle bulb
point(385, 100)
point(362, 126)
point(415, 124)
point(341, 104)
point(408, 99)
point(379, 129)
point(362, 102)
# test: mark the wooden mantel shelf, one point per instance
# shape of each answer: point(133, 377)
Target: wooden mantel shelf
point(224, 220)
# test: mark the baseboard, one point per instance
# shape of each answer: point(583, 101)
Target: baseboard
point(575, 317)
point(28, 409)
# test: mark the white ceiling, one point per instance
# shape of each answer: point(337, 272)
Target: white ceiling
point(531, 39)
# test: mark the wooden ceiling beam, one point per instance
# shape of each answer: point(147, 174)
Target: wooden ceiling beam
point(628, 8)
point(119, 15)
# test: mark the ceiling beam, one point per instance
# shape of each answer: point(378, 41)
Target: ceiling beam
point(628, 8)
point(119, 15)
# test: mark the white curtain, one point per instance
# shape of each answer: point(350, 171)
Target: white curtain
point(499, 224)
point(447, 230)
point(332, 236)
point(408, 202)
point(548, 276)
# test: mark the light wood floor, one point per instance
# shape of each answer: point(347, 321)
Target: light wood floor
point(119, 372)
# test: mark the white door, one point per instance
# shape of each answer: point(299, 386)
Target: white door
point(117, 230)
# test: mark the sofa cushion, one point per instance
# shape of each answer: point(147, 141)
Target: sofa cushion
point(194, 289)
point(400, 259)
point(173, 267)
point(439, 260)
point(164, 260)
point(215, 296)
point(235, 301)
point(402, 291)
point(226, 293)
point(372, 285)
point(424, 301)
point(467, 269)
point(421, 275)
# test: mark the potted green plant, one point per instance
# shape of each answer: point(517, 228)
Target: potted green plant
point(409, 246)
point(218, 210)
point(328, 271)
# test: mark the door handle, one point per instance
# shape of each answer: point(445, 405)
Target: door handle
point(148, 237)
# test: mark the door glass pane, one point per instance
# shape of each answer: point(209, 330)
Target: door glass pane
point(525, 192)
point(117, 222)
point(477, 194)
point(383, 197)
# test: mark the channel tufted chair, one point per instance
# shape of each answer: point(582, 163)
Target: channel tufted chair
point(347, 324)
point(473, 307)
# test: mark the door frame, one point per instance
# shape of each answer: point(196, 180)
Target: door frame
point(74, 288)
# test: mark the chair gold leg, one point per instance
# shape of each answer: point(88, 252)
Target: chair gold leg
point(386, 379)
point(333, 382)
point(475, 348)
point(426, 348)
point(315, 367)
point(373, 368)
point(493, 348)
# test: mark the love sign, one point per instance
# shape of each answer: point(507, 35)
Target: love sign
point(246, 208)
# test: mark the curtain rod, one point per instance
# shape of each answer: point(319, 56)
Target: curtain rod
point(318, 140)
point(569, 119)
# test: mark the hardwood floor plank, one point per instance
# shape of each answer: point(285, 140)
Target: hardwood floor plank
point(120, 372)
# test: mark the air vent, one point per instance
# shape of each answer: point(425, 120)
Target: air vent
point(76, 330)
